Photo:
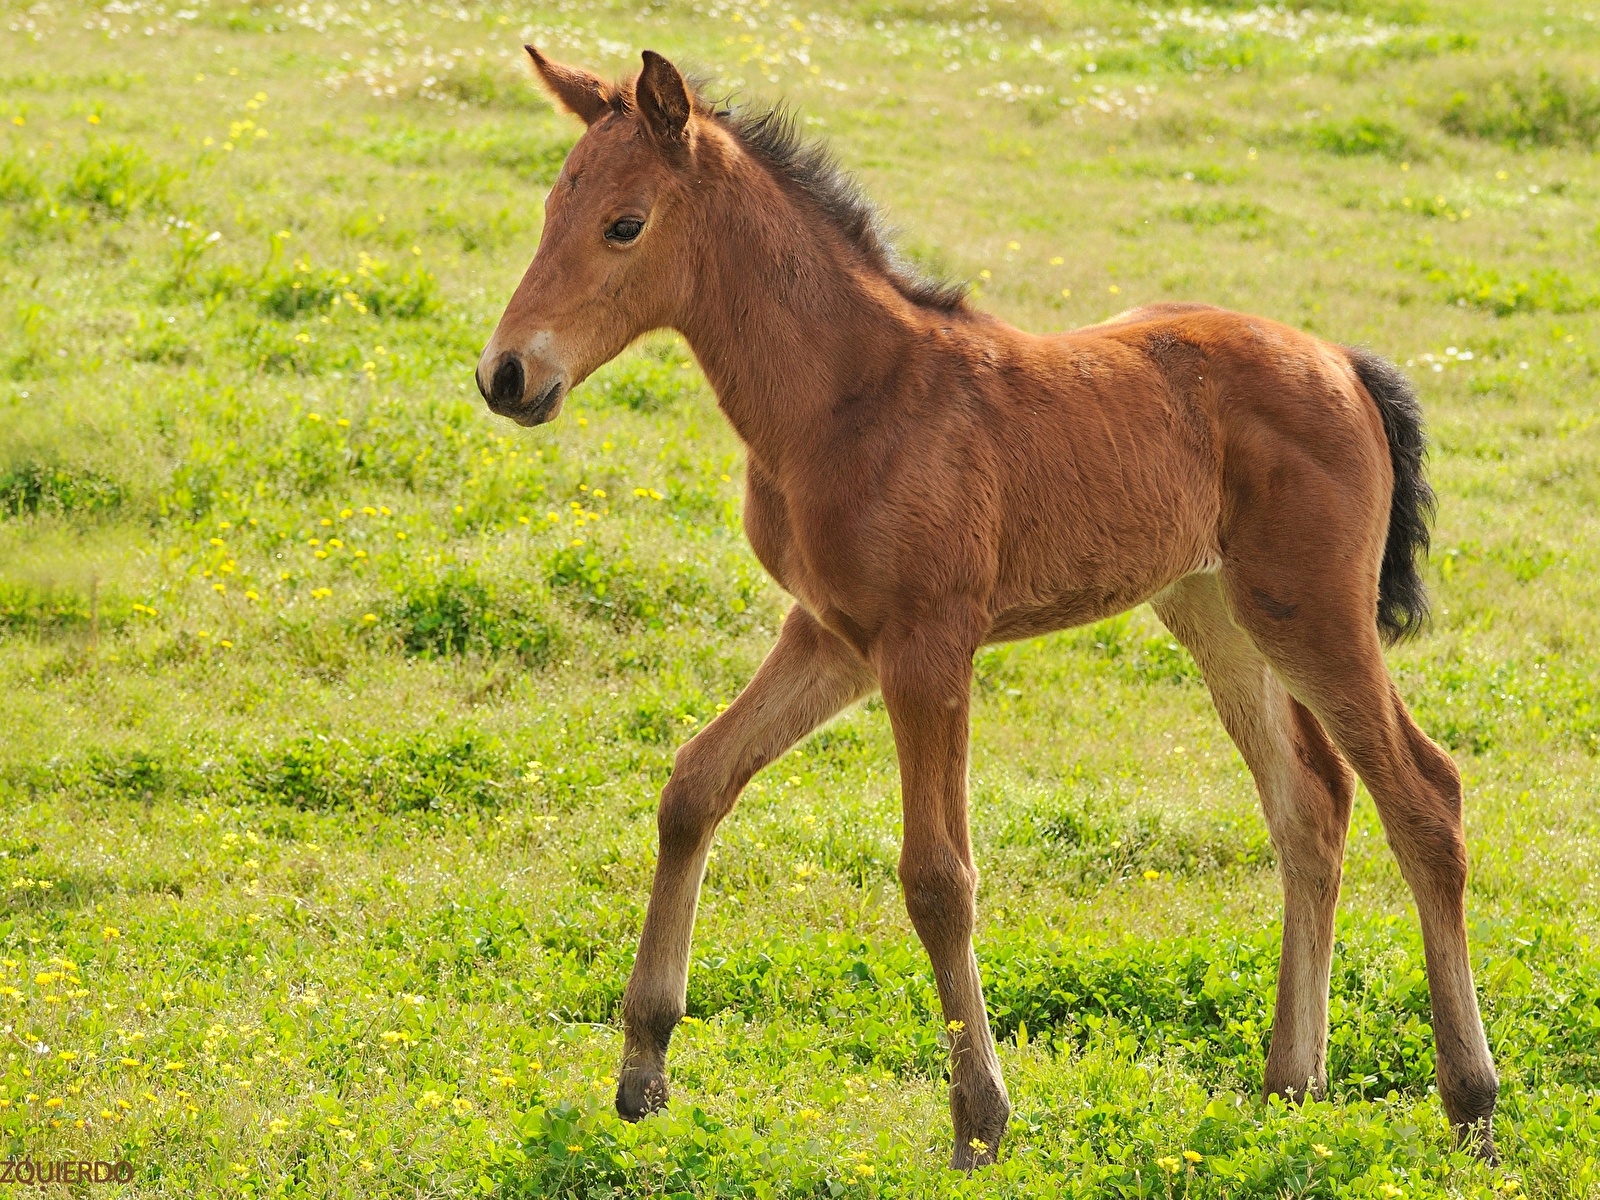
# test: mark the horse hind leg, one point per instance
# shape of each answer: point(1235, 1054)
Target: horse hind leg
point(1329, 654)
point(1306, 792)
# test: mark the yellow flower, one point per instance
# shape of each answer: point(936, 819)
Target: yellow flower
point(1320, 1150)
point(574, 1148)
point(1192, 1155)
point(979, 1145)
point(54, 1102)
point(1057, 261)
point(1152, 875)
point(1168, 1164)
point(94, 118)
point(369, 617)
point(461, 1105)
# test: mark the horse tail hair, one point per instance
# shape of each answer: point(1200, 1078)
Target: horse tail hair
point(1402, 595)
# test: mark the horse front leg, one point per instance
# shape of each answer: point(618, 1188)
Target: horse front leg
point(808, 677)
point(926, 677)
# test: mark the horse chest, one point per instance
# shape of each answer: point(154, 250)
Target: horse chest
point(810, 550)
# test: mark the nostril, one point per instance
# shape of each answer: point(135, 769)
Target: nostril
point(477, 378)
point(507, 385)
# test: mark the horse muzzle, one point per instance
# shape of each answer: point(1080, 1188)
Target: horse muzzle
point(508, 391)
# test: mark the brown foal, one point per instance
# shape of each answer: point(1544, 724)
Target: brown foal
point(924, 478)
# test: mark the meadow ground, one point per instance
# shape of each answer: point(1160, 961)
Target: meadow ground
point(335, 709)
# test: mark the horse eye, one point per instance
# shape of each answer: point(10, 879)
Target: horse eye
point(625, 230)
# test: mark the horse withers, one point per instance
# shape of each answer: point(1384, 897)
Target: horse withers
point(925, 479)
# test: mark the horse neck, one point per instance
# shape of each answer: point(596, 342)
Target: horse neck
point(784, 318)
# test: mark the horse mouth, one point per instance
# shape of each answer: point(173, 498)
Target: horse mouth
point(542, 408)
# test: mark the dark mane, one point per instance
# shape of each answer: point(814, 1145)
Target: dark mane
point(773, 137)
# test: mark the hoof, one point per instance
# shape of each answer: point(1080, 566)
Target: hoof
point(1294, 1087)
point(1469, 1104)
point(1478, 1138)
point(640, 1093)
point(976, 1153)
point(979, 1126)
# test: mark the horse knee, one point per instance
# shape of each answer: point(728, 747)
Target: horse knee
point(1312, 865)
point(696, 797)
point(939, 891)
point(1310, 837)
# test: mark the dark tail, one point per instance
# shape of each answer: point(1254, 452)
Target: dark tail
point(1402, 596)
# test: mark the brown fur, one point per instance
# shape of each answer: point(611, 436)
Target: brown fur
point(924, 479)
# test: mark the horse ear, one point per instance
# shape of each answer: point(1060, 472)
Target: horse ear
point(580, 93)
point(663, 100)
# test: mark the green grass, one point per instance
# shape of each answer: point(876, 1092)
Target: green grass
point(335, 709)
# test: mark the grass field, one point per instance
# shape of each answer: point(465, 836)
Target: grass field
point(335, 708)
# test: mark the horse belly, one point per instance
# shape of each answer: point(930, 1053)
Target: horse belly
point(1092, 565)
point(1065, 612)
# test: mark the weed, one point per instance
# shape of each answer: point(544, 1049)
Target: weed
point(115, 178)
point(456, 611)
point(31, 488)
point(418, 772)
point(1362, 135)
point(1541, 107)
